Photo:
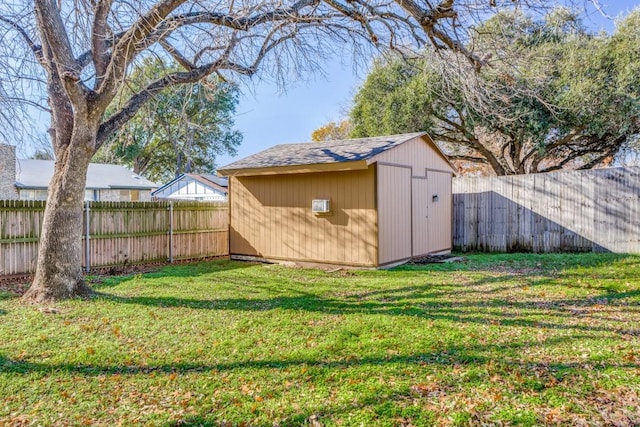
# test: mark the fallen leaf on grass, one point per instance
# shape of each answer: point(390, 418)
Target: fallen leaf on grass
point(426, 390)
point(619, 407)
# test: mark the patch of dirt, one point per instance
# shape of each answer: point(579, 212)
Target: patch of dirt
point(17, 284)
point(99, 274)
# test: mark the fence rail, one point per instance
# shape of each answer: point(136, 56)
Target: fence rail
point(119, 233)
point(596, 210)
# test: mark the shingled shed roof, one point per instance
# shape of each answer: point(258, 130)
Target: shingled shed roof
point(292, 156)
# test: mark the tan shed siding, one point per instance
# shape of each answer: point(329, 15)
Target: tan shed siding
point(416, 153)
point(420, 219)
point(239, 244)
point(440, 212)
point(271, 217)
point(394, 213)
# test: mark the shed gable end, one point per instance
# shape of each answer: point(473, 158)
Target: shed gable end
point(420, 153)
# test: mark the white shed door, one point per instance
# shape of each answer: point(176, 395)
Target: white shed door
point(420, 216)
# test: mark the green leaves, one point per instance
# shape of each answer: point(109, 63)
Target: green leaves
point(552, 96)
point(183, 129)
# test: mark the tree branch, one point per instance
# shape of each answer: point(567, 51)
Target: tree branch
point(35, 48)
point(429, 19)
point(59, 54)
point(468, 158)
point(177, 56)
point(99, 39)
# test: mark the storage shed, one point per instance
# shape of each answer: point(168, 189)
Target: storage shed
point(363, 202)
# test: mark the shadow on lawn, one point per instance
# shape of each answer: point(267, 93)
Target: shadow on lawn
point(393, 403)
point(6, 295)
point(170, 271)
point(530, 376)
point(450, 301)
point(529, 262)
point(478, 354)
point(430, 303)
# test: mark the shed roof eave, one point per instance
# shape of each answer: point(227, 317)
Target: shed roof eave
point(294, 169)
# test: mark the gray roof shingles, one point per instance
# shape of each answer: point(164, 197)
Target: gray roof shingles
point(221, 181)
point(38, 173)
point(310, 153)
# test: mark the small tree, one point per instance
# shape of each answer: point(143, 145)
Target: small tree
point(331, 131)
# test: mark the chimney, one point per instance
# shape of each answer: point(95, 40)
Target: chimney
point(8, 172)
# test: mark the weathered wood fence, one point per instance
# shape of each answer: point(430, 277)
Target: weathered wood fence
point(596, 210)
point(119, 233)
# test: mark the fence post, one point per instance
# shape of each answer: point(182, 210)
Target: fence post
point(87, 237)
point(171, 232)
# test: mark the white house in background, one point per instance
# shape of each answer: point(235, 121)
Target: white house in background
point(27, 179)
point(192, 186)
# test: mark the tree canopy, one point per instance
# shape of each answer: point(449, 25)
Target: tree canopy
point(182, 129)
point(331, 131)
point(567, 99)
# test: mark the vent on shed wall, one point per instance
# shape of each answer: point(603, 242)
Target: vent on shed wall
point(320, 206)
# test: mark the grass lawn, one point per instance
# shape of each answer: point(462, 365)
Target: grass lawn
point(497, 340)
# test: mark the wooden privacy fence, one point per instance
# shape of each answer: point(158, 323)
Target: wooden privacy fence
point(119, 233)
point(596, 210)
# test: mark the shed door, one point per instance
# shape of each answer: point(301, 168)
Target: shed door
point(394, 213)
point(420, 216)
point(440, 210)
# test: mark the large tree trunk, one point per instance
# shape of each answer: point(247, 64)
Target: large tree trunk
point(59, 267)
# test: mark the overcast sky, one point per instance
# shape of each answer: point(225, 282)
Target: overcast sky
point(267, 117)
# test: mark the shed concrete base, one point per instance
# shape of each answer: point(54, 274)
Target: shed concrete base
point(304, 264)
point(326, 266)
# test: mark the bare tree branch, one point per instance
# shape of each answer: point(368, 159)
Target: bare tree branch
point(100, 38)
point(35, 48)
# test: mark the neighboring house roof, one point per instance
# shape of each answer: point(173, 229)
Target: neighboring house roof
point(218, 180)
point(357, 152)
point(215, 183)
point(38, 173)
